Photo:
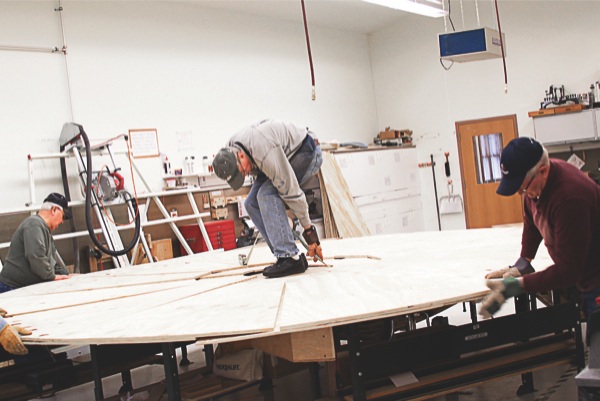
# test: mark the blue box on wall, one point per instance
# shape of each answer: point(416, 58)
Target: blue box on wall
point(472, 45)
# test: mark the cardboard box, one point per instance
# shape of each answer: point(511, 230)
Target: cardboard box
point(217, 201)
point(219, 213)
point(388, 134)
point(394, 133)
point(162, 249)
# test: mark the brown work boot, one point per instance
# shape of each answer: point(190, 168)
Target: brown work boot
point(286, 267)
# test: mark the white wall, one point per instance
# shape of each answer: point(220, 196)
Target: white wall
point(179, 67)
point(548, 42)
point(173, 66)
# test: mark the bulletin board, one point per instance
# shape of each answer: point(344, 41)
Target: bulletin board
point(144, 142)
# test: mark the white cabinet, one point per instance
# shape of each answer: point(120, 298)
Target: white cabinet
point(391, 212)
point(385, 186)
point(375, 171)
point(567, 128)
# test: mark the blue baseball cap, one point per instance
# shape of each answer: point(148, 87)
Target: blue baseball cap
point(518, 157)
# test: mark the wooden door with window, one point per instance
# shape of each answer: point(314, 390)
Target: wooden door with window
point(480, 143)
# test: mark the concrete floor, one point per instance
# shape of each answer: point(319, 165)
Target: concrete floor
point(554, 384)
point(551, 384)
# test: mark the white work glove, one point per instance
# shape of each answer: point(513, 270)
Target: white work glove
point(520, 268)
point(501, 291)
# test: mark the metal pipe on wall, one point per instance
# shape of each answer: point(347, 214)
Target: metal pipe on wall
point(30, 49)
point(59, 9)
point(55, 49)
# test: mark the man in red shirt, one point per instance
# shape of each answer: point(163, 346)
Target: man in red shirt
point(561, 206)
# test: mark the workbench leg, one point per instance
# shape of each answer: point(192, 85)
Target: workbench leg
point(522, 304)
point(555, 297)
point(127, 382)
point(331, 379)
point(473, 311)
point(358, 383)
point(98, 392)
point(266, 386)
point(209, 355)
point(526, 386)
point(184, 357)
point(579, 345)
point(533, 302)
point(171, 373)
point(315, 382)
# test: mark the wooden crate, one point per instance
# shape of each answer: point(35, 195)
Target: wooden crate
point(162, 249)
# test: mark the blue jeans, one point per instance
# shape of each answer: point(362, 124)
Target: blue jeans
point(266, 208)
point(589, 302)
point(5, 288)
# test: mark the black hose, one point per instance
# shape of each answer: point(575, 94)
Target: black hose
point(63, 170)
point(88, 206)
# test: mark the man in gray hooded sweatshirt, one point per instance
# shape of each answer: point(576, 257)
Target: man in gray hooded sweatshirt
point(281, 156)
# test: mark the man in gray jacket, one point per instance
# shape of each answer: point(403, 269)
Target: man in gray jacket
point(31, 257)
point(282, 156)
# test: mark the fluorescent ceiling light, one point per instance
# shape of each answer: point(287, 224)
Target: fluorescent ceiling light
point(429, 8)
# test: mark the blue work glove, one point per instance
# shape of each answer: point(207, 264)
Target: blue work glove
point(520, 268)
point(501, 291)
point(524, 267)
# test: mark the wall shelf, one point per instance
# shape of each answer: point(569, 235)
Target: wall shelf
point(567, 128)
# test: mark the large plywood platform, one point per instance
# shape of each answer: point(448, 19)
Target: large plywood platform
point(163, 302)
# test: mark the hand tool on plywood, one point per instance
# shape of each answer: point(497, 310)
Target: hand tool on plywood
point(242, 258)
point(299, 237)
point(253, 272)
point(217, 273)
point(209, 273)
point(338, 257)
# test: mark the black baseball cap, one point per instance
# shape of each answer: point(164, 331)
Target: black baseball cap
point(225, 166)
point(518, 157)
point(61, 201)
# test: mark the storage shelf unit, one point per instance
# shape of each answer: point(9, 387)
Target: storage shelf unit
point(205, 181)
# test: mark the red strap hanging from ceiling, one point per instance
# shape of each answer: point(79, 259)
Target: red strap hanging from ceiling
point(501, 48)
point(312, 70)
